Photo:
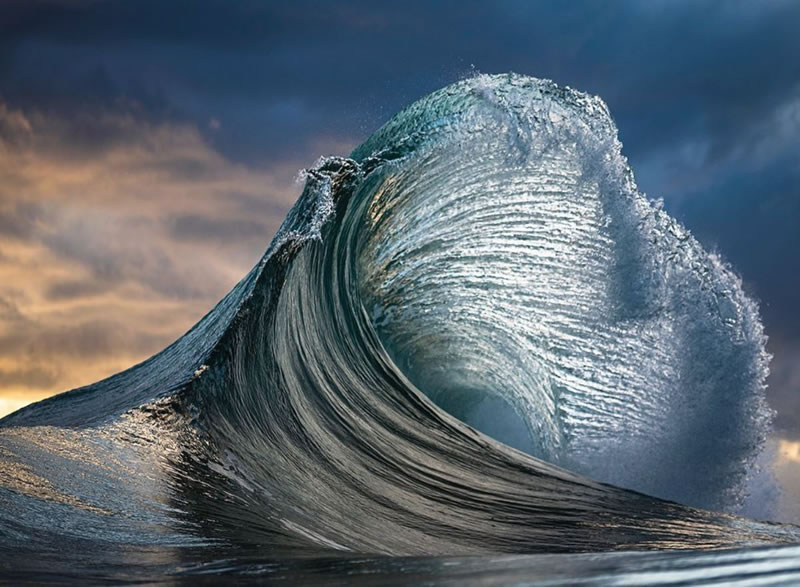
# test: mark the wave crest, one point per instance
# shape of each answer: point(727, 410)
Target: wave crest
point(509, 261)
point(487, 249)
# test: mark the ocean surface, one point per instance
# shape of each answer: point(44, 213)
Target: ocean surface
point(473, 353)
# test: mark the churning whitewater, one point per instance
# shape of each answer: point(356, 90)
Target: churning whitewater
point(473, 336)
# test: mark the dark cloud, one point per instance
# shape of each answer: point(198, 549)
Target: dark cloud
point(112, 264)
point(784, 388)
point(258, 206)
point(10, 314)
point(35, 378)
point(19, 220)
point(751, 217)
point(77, 289)
point(194, 227)
point(92, 339)
point(277, 73)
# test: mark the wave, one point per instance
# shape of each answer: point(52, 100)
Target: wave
point(473, 336)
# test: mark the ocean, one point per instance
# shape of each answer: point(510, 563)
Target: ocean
point(474, 353)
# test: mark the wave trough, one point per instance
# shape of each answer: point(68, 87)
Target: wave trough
point(484, 263)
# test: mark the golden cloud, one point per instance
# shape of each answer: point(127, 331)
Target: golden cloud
point(111, 250)
point(788, 452)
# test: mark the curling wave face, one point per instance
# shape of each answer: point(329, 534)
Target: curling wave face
point(510, 261)
point(482, 264)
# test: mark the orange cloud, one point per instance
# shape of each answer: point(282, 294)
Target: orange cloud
point(110, 251)
point(788, 452)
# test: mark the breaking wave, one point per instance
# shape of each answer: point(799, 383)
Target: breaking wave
point(473, 336)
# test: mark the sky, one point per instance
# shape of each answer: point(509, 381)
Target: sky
point(149, 149)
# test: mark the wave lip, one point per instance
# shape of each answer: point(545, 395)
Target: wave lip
point(485, 254)
point(511, 266)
